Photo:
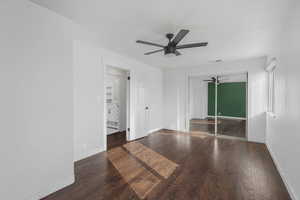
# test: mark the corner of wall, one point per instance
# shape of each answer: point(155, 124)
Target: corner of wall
point(88, 153)
point(281, 173)
point(52, 188)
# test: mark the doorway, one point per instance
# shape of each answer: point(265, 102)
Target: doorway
point(117, 100)
point(218, 105)
point(198, 106)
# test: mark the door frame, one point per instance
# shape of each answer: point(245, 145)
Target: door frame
point(129, 104)
point(187, 85)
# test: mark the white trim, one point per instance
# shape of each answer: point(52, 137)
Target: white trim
point(88, 154)
point(129, 135)
point(128, 100)
point(281, 173)
point(154, 130)
point(216, 105)
point(270, 69)
point(187, 104)
point(230, 137)
point(104, 123)
point(52, 188)
point(271, 114)
point(271, 90)
point(271, 66)
point(228, 117)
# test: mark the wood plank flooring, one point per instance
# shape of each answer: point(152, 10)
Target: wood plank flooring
point(209, 168)
point(163, 166)
point(116, 139)
point(141, 180)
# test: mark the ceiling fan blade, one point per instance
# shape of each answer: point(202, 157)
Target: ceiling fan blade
point(184, 46)
point(212, 80)
point(151, 52)
point(177, 53)
point(149, 43)
point(180, 36)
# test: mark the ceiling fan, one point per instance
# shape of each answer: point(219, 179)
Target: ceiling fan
point(172, 47)
point(216, 79)
point(212, 80)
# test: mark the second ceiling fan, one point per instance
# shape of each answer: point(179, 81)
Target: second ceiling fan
point(215, 79)
point(172, 47)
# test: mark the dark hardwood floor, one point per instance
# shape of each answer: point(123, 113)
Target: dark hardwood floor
point(116, 139)
point(227, 127)
point(202, 125)
point(232, 127)
point(209, 168)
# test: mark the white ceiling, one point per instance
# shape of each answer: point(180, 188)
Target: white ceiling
point(234, 29)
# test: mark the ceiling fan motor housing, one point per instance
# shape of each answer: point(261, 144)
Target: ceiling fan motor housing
point(170, 49)
point(170, 36)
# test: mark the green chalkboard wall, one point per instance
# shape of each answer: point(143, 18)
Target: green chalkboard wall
point(231, 99)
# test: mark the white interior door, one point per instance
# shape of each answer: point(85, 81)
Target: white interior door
point(141, 112)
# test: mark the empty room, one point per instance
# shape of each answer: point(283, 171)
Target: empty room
point(150, 100)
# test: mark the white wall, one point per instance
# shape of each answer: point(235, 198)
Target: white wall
point(90, 64)
point(175, 93)
point(283, 136)
point(42, 96)
point(88, 101)
point(36, 145)
point(231, 78)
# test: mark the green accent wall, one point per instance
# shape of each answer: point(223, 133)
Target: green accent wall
point(231, 99)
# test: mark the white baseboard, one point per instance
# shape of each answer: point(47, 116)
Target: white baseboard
point(89, 153)
point(228, 117)
point(52, 188)
point(154, 130)
point(148, 133)
point(281, 173)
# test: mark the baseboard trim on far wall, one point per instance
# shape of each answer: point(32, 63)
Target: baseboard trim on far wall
point(227, 117)
point(154, 130)
point(281, 173)
point(53, 188)
point(88, 154)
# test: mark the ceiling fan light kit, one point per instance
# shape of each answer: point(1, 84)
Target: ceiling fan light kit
point(171, 49)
